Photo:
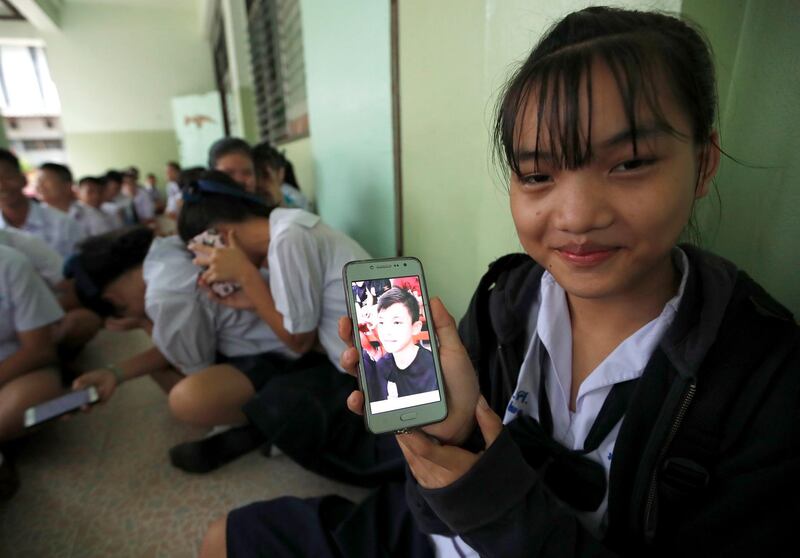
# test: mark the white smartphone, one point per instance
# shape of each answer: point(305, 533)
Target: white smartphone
point(54, 408)
point(399, 370)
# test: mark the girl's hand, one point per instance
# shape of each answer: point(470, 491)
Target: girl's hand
point(461, 381)
point(226, 263)
point(238, 300)
point(437, 466)
point(103, 380)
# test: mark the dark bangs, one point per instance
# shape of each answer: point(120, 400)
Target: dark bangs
point(557, 77)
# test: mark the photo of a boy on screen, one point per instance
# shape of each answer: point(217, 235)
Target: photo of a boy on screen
point(400, 366)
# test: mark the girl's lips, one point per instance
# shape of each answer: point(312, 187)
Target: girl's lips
point(585, 256)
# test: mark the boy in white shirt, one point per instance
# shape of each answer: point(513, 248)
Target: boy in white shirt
point(27, 351)
point(141, 202)
point(173, 189)
point(16, 211)
point(88, 213)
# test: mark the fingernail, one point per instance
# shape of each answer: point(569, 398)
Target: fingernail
point(482, 403)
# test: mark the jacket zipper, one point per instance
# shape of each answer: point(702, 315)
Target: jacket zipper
point(652, 492)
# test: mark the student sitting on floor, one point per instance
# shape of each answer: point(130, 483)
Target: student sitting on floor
point(88, 213)
point(209, 358)
point(173, 189)
point(300, 413)
point(16, 211)
point(304, 297)
point(141, 206)
point(234, 157)
point(28, 375)
point(79, 325)
point(275, 178)
point(53, 186)
point(115, 203)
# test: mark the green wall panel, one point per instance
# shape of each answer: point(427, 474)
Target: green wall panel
point(757, 224)
point(94, 153)
point(348, 81)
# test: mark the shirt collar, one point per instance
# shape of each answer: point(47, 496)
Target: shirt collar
point(627, 361)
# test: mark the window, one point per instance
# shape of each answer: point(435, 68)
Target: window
point(279, 81)
point(222, 74)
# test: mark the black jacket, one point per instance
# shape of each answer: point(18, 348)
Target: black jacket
point(707, 460)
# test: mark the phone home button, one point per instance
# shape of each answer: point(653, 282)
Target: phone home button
point(408, 416)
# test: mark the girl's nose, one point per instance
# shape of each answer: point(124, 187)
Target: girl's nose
point(581, 205)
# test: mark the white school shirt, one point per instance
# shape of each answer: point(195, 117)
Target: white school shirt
point(51, 225)
point(305, 260)
point(112, 210)
point(47, 262)
point(190, 329)
point(173, 195)
point(550, 322)
point(92, 220)
point(143, 202)
point(26, 303)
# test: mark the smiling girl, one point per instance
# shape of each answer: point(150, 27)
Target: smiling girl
point(611, 391)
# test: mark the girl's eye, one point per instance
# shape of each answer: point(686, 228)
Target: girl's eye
point(633, 165)
point(536, 179)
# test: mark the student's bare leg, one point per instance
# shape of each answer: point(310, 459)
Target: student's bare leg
point(23, 392)
point(214, 543)
point(212, 397)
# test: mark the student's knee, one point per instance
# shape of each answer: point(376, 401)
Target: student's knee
point(185, 400)
point(214, 543)
point(23, 392)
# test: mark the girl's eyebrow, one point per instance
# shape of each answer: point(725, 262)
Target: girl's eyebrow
point(623, 137)
point(627, 136)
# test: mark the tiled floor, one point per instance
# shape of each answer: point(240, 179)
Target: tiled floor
point(100, 485)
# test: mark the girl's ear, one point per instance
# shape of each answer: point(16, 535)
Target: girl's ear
point(416, 327)
point(708, 163)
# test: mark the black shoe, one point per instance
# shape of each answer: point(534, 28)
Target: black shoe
point(9, 481)
point(210, 453)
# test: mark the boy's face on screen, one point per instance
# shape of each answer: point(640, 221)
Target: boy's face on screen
point(395, 329)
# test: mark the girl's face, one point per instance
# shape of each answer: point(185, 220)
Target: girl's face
point(607, 228)
point(239, 167)
point(269, 183)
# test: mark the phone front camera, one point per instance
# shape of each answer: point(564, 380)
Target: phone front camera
point(372, 267)
point(405, 264)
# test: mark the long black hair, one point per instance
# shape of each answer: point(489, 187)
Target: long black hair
point(644, 51)
point(99, 260)
point(266, 155)
point(216, 198)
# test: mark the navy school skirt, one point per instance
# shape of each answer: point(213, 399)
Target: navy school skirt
point(328, 527)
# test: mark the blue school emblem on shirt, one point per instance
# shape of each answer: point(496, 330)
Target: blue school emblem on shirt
point(520, 398)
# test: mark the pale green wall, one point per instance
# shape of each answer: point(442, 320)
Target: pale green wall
point(95, 152)
point(348, 80)
point(299, 153)
point(116, 67)
point(758, 223)
point(454, 57)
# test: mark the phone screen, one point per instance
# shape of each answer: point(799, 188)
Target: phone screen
point(395, 343)
point(61, 405)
